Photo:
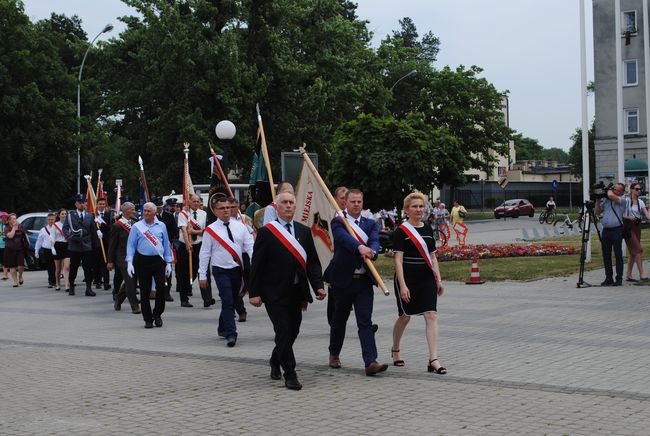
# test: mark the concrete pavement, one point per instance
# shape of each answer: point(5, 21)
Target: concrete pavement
point(537, 357)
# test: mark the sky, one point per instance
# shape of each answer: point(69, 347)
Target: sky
point(529, 47)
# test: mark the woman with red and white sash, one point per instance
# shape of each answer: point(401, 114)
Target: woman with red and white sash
point(61, 256)
point(417, 279)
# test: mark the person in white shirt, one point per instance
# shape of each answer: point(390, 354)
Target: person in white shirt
point(61, 256)
point(550, 205)
point(191, 224)
point(270, 213)
point(224, 243)
point(45, 248)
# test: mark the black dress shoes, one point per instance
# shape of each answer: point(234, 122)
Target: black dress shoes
point(148, 325)
point(275, 371)
point(107, 287)
point(293, 384)
point(186, 304)
point(375, 368)
point(242, 317)
point(169, 298)
point(117, 305)
point(71, 291)
point(375, 327)
point(89, 291)
point(157, 321)
point(232, 340)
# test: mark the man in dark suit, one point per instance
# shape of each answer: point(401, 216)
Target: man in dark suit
point(167, 218)
point(117, 257)
point(352, 283)
point(284, 264)
point(82, 234)
point(105, 218)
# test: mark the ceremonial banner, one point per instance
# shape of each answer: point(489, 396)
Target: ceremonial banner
point(259, 184)
point(90, 198)
point(218, 185)
point(315, 211)
point(188, 187)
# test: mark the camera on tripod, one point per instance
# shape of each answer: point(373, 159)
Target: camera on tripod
point(599, 190)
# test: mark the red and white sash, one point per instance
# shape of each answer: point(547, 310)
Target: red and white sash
point(125, 224)
point(289, 242)
point(419, 243)
point(191, 221)
point(232, 248)
point(149, 236)
point(361, 236)
point(60, 231)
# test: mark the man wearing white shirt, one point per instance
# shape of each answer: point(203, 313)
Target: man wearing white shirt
point(270, 212)
point(191, 224)
point(45, 242)
point(223, 246)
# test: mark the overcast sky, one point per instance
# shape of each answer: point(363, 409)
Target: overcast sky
point(529, 47)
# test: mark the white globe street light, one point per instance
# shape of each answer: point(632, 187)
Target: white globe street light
point(225, 130)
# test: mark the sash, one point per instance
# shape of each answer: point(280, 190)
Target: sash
point(289, 242)
point(419, 243)
point(234, 250)
point(60, 231)
point(149, 236)
point(125, 224)
point(191, 221)
point(361, 236)
point(47, 231)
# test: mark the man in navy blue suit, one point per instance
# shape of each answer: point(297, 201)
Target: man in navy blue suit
point(352, 283)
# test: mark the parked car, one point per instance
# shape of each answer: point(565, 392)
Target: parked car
point(33, 223)
point(514, 208)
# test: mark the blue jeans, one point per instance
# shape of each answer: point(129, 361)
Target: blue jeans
point(613, 238)
point(228, 281)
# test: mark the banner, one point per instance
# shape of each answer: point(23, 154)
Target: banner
point(315, 211)
point(259, 184)
point(218, 186)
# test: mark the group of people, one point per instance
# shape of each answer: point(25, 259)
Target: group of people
point(276, 265)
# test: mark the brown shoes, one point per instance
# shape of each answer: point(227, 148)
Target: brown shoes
point(335, 362)
point(375, 368)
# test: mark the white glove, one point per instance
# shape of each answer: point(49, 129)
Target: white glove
point(100, 235)
point(168, 270)
point(130, 270)
point(53, 251)
point(36, 255)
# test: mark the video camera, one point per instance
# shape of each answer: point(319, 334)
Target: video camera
point(599, 190)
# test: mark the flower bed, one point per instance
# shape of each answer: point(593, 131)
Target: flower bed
point(491, 251)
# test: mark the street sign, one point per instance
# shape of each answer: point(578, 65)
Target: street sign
point(555, 185)
point(503, 181)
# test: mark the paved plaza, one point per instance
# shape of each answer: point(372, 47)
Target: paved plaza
point(536, 357)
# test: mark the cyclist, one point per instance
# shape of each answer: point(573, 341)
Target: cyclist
point(550, 206)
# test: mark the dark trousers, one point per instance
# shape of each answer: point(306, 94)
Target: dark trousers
point(331, 304)
point(117, 280)
point(101, 272)
point(613, 239)
point(183, 281)
point(146, 268)
point(47, 260)
point(129, 285)
point(228, 282)
point(359, 294)
point(286, 319)
point(87, 260)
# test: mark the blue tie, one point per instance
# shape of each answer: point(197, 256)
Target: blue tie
point(288, 226)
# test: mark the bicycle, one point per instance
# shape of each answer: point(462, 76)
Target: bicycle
point(547, 217)
point(439, 237)
point(570, 224)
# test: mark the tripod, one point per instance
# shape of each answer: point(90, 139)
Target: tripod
point(587, 212)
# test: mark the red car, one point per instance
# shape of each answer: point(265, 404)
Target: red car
point(514, 208)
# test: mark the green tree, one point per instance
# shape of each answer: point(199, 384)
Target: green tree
point(527, 148)
point(387, 158)
point(556, 154)
point(575, 153)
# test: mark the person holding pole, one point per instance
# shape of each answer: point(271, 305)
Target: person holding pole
point(83, 239)
point(351, 282)
point(339, 196)
point(417, 279)
point(191, 224)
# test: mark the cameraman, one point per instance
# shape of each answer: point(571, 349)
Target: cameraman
point(613, 208)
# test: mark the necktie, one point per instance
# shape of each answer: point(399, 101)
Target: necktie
point(194, 215)
point(288, 226)
point(194, 237)
point(229, 232)
point(81, 216)
point(356, 222)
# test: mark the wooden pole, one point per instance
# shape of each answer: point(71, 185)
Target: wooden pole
point(369, 265)
point(265, 151)
point(225, 181)
point(101, 240)
point(186, 206)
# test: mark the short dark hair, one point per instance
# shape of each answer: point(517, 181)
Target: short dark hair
point(101, 199)
point(51, 214)
point(353, 191)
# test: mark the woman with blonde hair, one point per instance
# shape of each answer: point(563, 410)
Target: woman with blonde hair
point(61, 256)
point(417, 279)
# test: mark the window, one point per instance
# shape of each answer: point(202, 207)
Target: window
point(631, 121)
point(630, 68)
point(502, 171)
point(629, 22)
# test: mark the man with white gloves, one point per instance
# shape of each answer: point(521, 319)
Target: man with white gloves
point(148, 252)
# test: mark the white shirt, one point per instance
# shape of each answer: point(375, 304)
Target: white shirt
point(200, 220)
point(270, 214)
point(45, 240)
point(635, 210)
point(56, 234)
point(214, 254)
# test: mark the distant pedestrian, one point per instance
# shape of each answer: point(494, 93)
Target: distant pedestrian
point(16, 245)
point(61, 256)
point(4, 218)
point(45, 250)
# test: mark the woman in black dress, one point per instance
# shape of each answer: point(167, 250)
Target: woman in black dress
point(417, 279)
point(61, 256)
point(16, 245)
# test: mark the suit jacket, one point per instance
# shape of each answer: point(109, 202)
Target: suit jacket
point(117, 244)
point(273, 268)
point(170, 222)
point(81, 235)
point(346, 253)
point(106, 228)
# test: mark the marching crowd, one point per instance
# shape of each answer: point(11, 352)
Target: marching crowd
point(276, 265)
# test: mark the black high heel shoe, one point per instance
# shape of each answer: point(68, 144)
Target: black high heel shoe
point(398, 362)
point(440, 370)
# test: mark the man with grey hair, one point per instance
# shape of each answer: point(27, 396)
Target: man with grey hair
point(116, 257)
point(148, 250)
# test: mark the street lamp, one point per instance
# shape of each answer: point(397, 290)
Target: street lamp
point(225, 130)
point(409, 74)
point(106, 29)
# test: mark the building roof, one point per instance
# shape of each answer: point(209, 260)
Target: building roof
point(635, 165)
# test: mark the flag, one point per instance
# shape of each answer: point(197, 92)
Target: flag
point(188, 187)
point(100, 190)
point(315, 211)
point(218, 186)
point(90, 198)
point(259, 185)
point(118, 199)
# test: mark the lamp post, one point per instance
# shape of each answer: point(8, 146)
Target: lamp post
point(409, 74)
point(106, 29)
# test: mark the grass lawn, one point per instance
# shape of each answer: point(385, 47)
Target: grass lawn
point(517, 268)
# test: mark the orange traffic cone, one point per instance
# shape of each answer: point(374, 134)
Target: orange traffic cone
point(475, 274)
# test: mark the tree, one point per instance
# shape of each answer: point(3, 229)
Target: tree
point(527, 148)
point(387, 158)
point(575, 153)
point(556, 154)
